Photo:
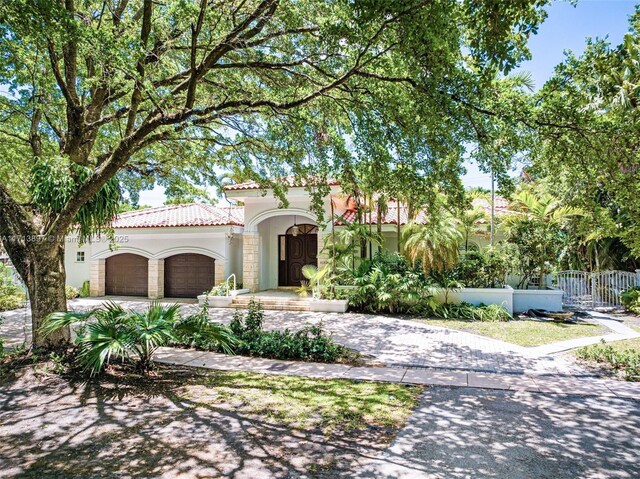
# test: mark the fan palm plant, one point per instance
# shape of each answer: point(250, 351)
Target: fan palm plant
point(112, 332)
point(436, 245)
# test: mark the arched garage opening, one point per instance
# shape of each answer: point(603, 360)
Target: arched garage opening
point(127, 274)
point(187, 275)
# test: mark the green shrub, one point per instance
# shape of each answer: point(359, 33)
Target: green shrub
point(625, 362)
point(311, 343)
point(113, 332)
point(11, 296)
point(482, 312)
point(630, 299)
point(71, 292)
point(12, 301)
point(85, 291)
point(388, 284)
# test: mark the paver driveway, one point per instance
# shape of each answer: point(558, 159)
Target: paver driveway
point(393, 341)
point(475, 433)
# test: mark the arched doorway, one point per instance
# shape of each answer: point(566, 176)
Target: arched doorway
point(187, 275)
point(126, 274)
point(297, 248)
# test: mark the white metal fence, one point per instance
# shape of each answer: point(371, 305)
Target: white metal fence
point(597, 289)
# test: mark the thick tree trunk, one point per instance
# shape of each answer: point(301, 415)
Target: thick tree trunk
point(41, 266)
point(47, 294)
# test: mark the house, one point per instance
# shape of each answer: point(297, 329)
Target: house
point(184, 250)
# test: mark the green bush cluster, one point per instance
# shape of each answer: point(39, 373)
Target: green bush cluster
point(310, 343)
point(486, 268)
point(389, 284)
point(71, 292)
point(11, 296)
point(625, 362)
point(482, 312)
point(631, 299)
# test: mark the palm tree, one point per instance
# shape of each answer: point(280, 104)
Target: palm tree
point(471, 224)
point(435, 244)
point(543, 214)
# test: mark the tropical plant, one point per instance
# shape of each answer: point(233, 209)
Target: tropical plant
point(85, 291)
point(434, 245)
point(310, 343)
point(625, 362)
point(389, 284)
point(129, 93)
point(487, 267)
point(111, 332)
point(535, 225)
point(472, 223)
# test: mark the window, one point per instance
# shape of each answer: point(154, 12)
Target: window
point(80, 257)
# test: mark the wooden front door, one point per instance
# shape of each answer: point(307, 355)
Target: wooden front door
point(296, 252)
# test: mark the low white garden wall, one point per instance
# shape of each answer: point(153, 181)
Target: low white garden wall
point(476, 296)
point(526, 299)
point(513, 300)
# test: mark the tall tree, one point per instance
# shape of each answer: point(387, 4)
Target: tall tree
point(588, 143)
point(100, 90)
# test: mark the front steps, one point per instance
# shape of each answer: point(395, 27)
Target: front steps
point(277, 303)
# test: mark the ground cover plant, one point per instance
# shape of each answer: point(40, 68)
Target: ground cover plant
point(621, 357)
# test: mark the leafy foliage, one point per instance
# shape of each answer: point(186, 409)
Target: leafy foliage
point(587, 153)
point(434, 245)
point(487, 267)
point(536, 228)
point(389, 284)
point(11, 296)
point(111, 332)
point(310, 343)
point(71, 292)
point(625, 362)
point(631, 299)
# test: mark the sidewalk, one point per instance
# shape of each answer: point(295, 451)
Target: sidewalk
point(555, 384)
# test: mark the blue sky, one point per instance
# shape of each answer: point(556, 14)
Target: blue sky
point(566, 28)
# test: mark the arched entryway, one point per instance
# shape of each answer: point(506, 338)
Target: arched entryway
point(126, 274)
point(188, 275)
point(296, 248)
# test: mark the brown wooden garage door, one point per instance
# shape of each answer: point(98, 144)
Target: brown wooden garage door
point(188, 275)
point(127, 274)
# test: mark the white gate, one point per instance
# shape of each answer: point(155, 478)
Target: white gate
point(597, 289)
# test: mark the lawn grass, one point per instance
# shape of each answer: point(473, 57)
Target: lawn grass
point(522, 332)
point(306, 403)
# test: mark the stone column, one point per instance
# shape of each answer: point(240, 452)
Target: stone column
point(156, 279)
point(251, 261)
point(323, 256)
point(97, 270)
point(220, 267)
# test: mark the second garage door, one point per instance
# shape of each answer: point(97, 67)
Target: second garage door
point(188, 275)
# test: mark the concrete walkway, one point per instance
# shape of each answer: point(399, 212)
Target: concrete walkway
point(392, 341)
point(566, 385)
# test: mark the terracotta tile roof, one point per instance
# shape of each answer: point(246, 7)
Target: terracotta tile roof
point(391, 216)
point(290, 181)
point(193, 214)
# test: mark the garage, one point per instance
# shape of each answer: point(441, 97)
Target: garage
point(127, 274)
point(188, 275)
